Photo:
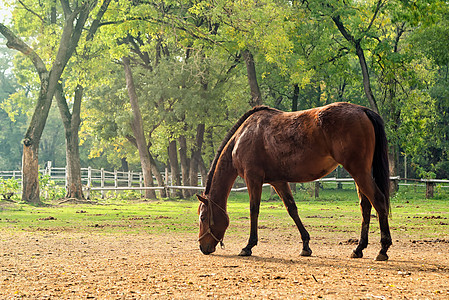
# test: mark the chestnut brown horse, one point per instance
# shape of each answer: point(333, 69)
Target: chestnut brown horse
point(270, 146)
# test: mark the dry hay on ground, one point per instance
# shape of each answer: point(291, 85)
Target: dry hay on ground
point(62, 265)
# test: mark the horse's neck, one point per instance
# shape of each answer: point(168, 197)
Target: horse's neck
point(223, 179)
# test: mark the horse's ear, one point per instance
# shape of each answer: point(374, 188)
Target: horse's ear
point(202, 199)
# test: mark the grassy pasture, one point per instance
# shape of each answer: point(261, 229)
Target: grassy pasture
point(336, 213)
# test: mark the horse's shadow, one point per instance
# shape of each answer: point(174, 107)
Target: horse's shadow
point(344, 262)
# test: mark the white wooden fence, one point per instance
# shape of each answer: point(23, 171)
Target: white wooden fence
point(102, 180)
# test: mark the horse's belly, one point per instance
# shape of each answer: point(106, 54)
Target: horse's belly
point(299, 169)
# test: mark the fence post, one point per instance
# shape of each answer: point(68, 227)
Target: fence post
point(130, 178)
point(166, 176)
point(339, 184)
point(116, 181)
point(141, 182)
point(167, 190)
point(317, 189)
point(102, 182)
point(66, 179)
point(429, 189)
point(47, 170)
point(89, 181)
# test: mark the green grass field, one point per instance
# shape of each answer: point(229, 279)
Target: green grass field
point(335, 213)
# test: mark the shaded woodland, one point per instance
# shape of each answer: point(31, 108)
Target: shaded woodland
point(150, 85)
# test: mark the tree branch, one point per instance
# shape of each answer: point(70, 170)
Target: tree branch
point(378, 7)
point(62, 105)
point(16, 43)
point(66, 7)
point(363, 65)
point(31, 11)
point(343, 29)
point(76, 110)
point(132, 140)
point(96, 23)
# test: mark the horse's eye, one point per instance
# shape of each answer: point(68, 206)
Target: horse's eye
point(203, 217)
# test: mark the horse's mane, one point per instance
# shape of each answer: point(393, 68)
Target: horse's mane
point(226, 139)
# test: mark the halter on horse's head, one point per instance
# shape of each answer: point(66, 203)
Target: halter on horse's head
point(213, 223)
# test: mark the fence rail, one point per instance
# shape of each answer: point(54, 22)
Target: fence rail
point(102, 180)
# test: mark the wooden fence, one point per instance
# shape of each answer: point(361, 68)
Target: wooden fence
point(102, 180)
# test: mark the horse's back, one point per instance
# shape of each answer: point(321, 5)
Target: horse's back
point(300, 146)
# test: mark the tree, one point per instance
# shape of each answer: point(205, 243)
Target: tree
point(74, 22)
point(373, 31)
point(72, 120)
point(165, 82)
point(45, 16)
point(137, 126)
point(256, 96)
point(426, 118)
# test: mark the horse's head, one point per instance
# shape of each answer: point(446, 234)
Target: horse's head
point(214, 221)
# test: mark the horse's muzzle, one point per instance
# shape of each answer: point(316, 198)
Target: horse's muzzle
point(207, 249)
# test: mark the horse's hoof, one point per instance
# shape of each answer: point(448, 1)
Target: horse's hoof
point(306, 252)
point(382, 257)
point(245, 252)
point(356, 254)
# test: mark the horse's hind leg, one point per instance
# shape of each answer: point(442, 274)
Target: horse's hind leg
point(369, 188)
point(284, 191)
point(365, 207)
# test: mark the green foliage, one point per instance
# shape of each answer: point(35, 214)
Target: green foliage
point(12, 118)
point(418, 127)
point(188, 70)
point(11, 135)
point(9, 189)
point(49, 189)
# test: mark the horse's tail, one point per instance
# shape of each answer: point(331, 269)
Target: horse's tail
point(381, 170)
point(226, 140)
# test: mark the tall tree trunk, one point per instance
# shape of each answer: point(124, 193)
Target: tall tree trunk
point(295, 97)
point(203, 170)
point(72, 120)
point(157, 174)
point(393, 113)
point(72, 123)
point(184, 165)
point(30, 171)
point(153, 165)
point(394, 117)
point(30, 162)
point(362, 61)
point(196, 155)
point(256, 96)
point(174, 166)
point(125, 166)
point(366, 79)
point(137, 127)
point(48, 147)
point(341, 90)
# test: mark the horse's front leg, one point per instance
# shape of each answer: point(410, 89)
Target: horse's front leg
point(284, 191)
point(255, 193)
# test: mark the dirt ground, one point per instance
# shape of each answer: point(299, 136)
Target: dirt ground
point(63, 265)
